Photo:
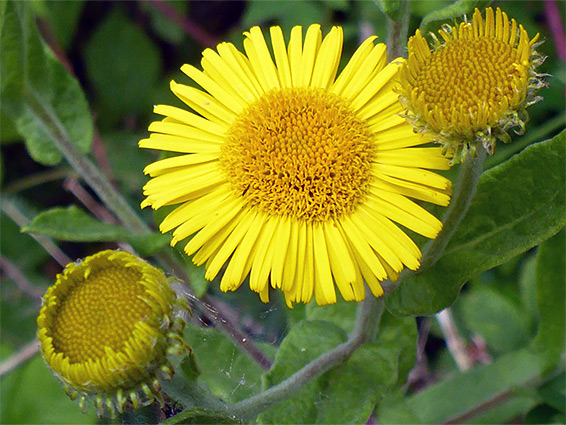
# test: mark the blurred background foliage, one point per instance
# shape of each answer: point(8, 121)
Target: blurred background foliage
point(124, 54)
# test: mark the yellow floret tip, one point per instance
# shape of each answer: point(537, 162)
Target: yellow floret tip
point(473, 85)
point(106, 327)
point(293, 176)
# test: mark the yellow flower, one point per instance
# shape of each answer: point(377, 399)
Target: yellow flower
point(291, 175)
point(106, 328)
point(474, 85)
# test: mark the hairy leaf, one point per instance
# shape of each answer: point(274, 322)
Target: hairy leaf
point(226, 370)
point(551, 281)
point(345, 394)
point(306, 341)
point(455, 10)
point(502, 323)
point(73, 224)
point(44, 100)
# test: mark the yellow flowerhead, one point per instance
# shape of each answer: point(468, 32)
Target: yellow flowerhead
point(473, 85)
point(106, 328)
point(291, 175)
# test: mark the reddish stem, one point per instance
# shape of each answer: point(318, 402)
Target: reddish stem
point(553, 17)
point(188, 25)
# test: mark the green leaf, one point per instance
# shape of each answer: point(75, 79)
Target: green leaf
point(302, 13)
point(226, 370)
point(392, 329)
point(345, 394)
point(455, 10)
point(353, 389)
point(518, 205)
point(402, 333)
point(123, 65)
point(390, 8)
point(456, 398)
point(506, 411)
point(528, 290)
point(64, 17)
point(168, 30)
point(31, 395)
point(553, 392)
point(11, 58)
point(502, 324)
point(551, 265)
point(190, 367)
point(342, 314)
point(544, 414)
point(401, 330)
point(44, 100)
point(8, 132)
point(73, 224)
point(305, 342)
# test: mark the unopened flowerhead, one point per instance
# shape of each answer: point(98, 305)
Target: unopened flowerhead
point(474, 84)
point(290, 175)
point(106, 329)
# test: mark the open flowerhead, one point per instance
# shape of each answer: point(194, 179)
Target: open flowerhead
point(290, 175)
point(474, 84)
point(106, 328)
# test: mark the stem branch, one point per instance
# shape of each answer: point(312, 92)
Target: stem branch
point(369, 311)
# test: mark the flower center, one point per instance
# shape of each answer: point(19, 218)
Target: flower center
point(472, 75)
point(98, 312)
point(299, 152)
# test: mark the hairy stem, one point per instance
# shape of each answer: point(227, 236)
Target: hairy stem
point(465, 189)
point(84, 166)
point(111, 198)
point(397, 30)
point(466, 186)
point(369, 312)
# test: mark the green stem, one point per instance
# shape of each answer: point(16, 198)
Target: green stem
point(119, 206)
point(397, 30)
point(85, 167)
point(468, 179)
point(369, 312)
point(464, 191)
